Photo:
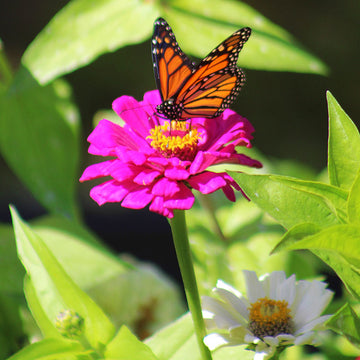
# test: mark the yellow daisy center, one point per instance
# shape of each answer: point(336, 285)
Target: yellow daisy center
point(270, 318)
point(180, 141)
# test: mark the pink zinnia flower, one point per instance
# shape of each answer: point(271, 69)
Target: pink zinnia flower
point(153, 166)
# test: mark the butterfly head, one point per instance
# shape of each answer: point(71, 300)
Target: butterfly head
point(170, 110)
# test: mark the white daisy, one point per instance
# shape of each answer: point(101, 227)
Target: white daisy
point(276, 313)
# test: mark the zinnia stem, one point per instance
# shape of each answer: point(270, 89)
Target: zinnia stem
point(183, 252)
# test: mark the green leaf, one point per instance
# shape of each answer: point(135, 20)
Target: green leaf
point(12, 273)
point(339, 247)
point(152, 300)
point(269, 48)
point(5, 70)
point(343, 147)
point(88, 263)
point(50, 349)
point(12, 331)
point(179, 339)
point(55, 289)
point(344, 239)
point(296, 233)
point(126, 346)
point(354, 202)
point(346, 322)
point(291, 201)
point(39, 140)
point(85, 29)
point(47, 325)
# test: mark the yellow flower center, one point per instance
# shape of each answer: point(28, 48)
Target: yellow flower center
point(270, 318)
point(179, 141)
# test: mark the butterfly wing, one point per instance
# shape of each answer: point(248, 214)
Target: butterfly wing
point(171, 66)
point(216, 82)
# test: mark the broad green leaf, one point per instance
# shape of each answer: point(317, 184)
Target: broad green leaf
point(152, 300)
point(344, 239)
point(202, 25)
point(45, 324)
point(343, 147)
point(296, 233)
point(55, 289)
point(50, 349)
point(346, 322)
point(354, 201)
point(5, 70)
point(126, 346)
point(179, 339)
point(345, 269)
point(88, 263)
point(291, 201)
point(12, 273)
point(11, 324)
point(339, 247)
point(39, 140)
point(85, 29)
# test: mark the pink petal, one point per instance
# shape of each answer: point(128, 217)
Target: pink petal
point(152, 98)
point(130, 156)
point(183, 200)
point(110, 191)
point(165, 188)
point(157, 206)
point(122, 172)
point(201, 162)
point(146, 177)
point(135, 115)
point(177, 174)
point(229, 192)
point(106, 137)
point(207, 182)
point(97, 170)
point(137, 199)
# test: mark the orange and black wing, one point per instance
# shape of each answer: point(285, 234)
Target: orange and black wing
point(216, 82)
point(171, 66)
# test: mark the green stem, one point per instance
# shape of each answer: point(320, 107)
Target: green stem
point(183, 252)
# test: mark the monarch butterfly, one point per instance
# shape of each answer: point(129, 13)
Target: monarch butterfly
point(187, 90)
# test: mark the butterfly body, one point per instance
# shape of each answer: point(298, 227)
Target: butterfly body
point(188, 90)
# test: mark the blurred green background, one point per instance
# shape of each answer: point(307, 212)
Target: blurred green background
point(288, 110)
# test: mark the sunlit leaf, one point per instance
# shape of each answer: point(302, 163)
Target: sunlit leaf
point(347, 323)
point(55, 289)
point(354, 202)
point(85, 29)
point(202, 25)
point(180, 341)
point(339, 247)
point(50, 349)
point(291, 201)
point(39, 129)
point(126, 346)
point(344, 146)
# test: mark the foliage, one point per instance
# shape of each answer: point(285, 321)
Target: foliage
point(56, 263)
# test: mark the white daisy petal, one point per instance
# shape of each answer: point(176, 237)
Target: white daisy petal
point(273, 282)
point(223, 285)
point(214, 341)
point(215, 310)
point(304, 338)
point(277, 312)
point(240, 306)
point(287, 290)
point(254, 288)
point(312, 324)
